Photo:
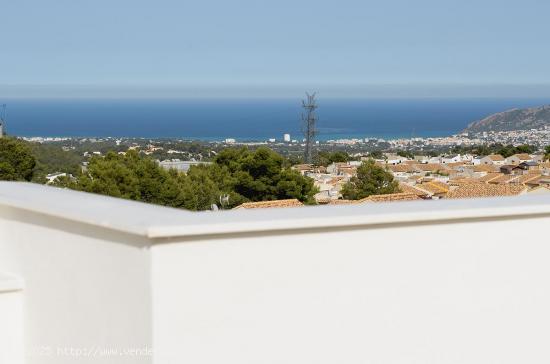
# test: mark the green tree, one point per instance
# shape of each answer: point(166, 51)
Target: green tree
point(525, 148)
point(405, 154)
point(16, 160)
point(52, 158)
point(129, 176)
point(260, 176)
point(371, 179)
point(509, 150)
point(239, 173)
point(547, 153)
point(376, 154)
point(325, 158)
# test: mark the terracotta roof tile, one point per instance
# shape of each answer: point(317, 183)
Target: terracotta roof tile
point(538, 181)
point(523, 156)
point(431, 167)
point(434, 187)
point(270, 204)
point(490, 176)
point(505, 178)
point(342, 202)
point(406, 188)
point(486, 190)
point(391, 197)
point(455, 164)
point(486, 168)
point(528, 177)
point(408, 168)
point(302, 167)
point(461, 181)
point(496, 157)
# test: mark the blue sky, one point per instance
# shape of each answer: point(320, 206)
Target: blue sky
point(341, 46)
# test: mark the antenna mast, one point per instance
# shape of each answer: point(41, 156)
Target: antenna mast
point(308, 125)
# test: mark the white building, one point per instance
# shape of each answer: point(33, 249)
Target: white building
point(518, 158)
point(434, 160)
point(92, 279)
point(286, 138)
point(476, 161)
point(393, 159)
point(179, 165)
point(495, 159)
point(451, 159)
point(53, 176)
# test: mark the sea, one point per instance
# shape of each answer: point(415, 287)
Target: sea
point(249, 119)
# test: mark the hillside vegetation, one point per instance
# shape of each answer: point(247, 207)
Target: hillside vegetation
point(515, 119)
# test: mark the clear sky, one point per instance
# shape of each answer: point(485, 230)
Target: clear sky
point(274, 45)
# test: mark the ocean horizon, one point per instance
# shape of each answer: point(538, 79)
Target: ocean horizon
point(249, 119)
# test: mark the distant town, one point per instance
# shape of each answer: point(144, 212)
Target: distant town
point(486, 159)
point(425, 168)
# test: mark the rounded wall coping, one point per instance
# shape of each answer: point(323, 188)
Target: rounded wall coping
point(162, 223)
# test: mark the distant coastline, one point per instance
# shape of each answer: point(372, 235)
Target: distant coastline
point(249, 120)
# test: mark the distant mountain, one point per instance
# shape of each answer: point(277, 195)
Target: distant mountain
point(515, 119)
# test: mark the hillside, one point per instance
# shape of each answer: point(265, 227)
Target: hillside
point(515, 119)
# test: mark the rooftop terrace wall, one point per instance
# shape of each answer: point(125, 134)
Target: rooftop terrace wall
point(417, 282)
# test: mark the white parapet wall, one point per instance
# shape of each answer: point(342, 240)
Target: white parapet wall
point(409, 282)
point(87, 287)
point(11, 319)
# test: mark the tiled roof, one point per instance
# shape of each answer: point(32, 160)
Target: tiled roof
point(391, 197)
point(302, 167)
point(496, 157)
point(461, 181)
point(490, 176)
point(527, 177)
point(270, 204)
point(523, 156)
point(406, 188)
point(402, 168)
point(486, 190)
point(505, 178)
point(538, 181)
point(431, 167)
point(342, 202)
point(348, 169)
point(434, 187)
point(455, 164)
point(485, 168)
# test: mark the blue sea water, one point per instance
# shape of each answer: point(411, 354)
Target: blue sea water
point(248, 119)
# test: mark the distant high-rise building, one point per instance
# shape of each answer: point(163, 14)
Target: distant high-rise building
point(286, 137)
